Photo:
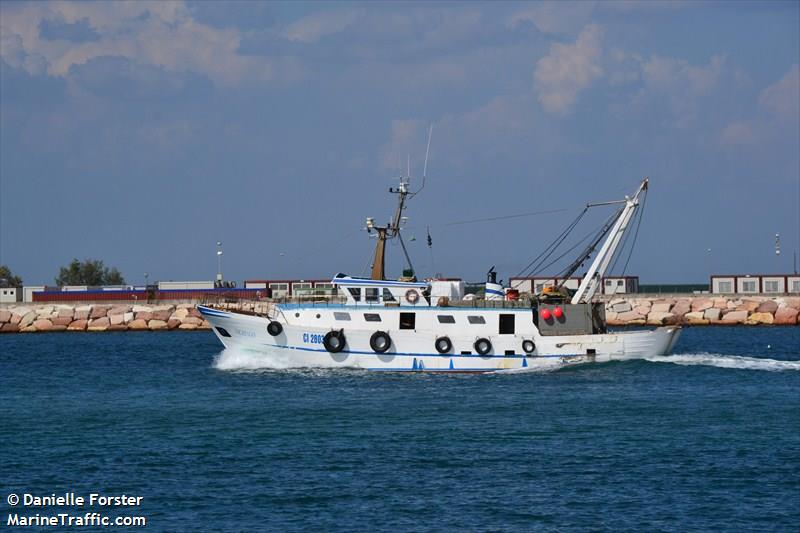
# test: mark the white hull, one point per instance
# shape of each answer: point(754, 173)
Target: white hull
point(299, 344)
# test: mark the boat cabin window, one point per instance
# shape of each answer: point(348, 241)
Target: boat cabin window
point(408, 320)
point(476, 320)
point(370, 295)
point(223, 332)
point(388, 296)
point(446, 319)
point(372, 317)
point(341, 316)
point(506, 324)
point(355, 292)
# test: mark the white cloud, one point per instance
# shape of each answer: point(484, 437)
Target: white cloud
point(316, 26)
point(776, 118)
point(569, 69)
point(154, 33)
point(737, 133)
point(554, 17)
point(681, 84)
point(783, 97)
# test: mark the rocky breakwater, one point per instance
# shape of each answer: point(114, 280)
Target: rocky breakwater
point(34, 318)
point(706, 310)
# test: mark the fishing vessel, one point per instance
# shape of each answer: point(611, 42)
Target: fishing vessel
point(410, 325)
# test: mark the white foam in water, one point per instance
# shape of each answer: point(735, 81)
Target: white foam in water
point(726, 361)
point(240, 359)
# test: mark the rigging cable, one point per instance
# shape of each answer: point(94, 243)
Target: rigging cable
point(548, 251)
point(505, 217)
point(636, 235)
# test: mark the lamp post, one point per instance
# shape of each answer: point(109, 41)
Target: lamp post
point(146, 275)
point(219, 263)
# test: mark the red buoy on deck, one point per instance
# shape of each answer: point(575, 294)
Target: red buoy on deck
point(545, 314)
point(558, 312)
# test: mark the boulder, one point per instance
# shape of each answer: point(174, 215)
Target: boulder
point(701, 304)
point(144, 315)
point(792, 301)
point(661, 307)
point(760, 318)
point(28, 329)
point(116, 320)
point(8, 327)
point(197, 321)
point(672, 320)
point(61, 321)
point(58, 327)
point(142, 309)
point(622, 307)
point(195, 313)
point(127, 317)
point(15, 319)
point(721, 303)
point(173, 323)
point(616, 301)
point(162, 315)
point(81, 315)
point(748, 305)
point(5, 316)
point(78, 325)
point(681, 307)
point(713, 313)
point(187, 326)
point(42, 324)
point(44, 310)
point(119, 310)
point(642, 310)
point(205, 325)
point(731, 304)
point(735, 317)
point(656, 318)
point(154, 325)
point(66, 312)
point(99, 311)
point(786, 316)
point(769, 306)
point(696, 318)
point(180, 313)
point(137, 324)
point(631, 317)
point(118, 327)
point(27, 320)
point(98, 324)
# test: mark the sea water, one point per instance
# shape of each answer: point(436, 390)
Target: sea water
point(707, 439)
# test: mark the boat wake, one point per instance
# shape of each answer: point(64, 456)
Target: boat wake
point(237, 359)
point(726, 361)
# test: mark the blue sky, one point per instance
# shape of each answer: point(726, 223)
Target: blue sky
point(142, 133)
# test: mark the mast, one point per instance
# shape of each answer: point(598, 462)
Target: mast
point(392, 229)
point(591, 281)
point(389, 231)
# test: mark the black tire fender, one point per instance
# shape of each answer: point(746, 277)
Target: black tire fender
point(443, 344)
point(528, 346)
point(483, 346)
point(334, 341)
point(274, 328)
point(380, 342)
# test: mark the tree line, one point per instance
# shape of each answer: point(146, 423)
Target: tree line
point(87, 272)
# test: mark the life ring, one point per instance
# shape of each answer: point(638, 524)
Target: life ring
point(482, 346)
point(412, 296)
point(380, 342)
point(443, 344)
point(274, 328)
point(334, 341)
point(528, 346)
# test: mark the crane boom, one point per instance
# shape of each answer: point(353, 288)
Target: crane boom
point(591, 281)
